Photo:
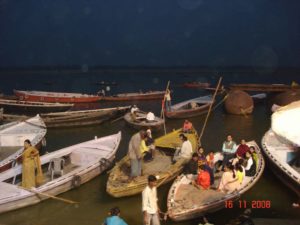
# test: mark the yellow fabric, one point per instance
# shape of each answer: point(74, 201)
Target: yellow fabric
point(31, 161)
point(240, 176)
point(172, 140)
point(143, 147)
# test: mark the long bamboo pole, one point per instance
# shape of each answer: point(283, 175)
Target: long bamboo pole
point(209, 110)
point(49, 196)
point(162, 107)
point(162, 114)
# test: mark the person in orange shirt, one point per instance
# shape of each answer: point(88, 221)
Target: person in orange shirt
point(203, 179)
point(187, 126)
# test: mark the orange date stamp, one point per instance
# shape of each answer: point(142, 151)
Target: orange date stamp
point(254, 204)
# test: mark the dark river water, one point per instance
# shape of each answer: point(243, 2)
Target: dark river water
point(95, 202)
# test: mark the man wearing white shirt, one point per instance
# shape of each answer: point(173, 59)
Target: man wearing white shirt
point(149, 204)
point(185, 151)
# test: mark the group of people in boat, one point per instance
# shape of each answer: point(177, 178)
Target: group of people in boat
point(238, 161)
point(134, 110)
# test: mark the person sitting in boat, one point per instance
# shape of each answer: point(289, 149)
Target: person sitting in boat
point(193, 105)
point(235, 160)
point(228, 150)
point(210, 160)
point(150, 117)
point(101, 93)
point(191, 168)
point(203, 178)
point(135, 154)
point(250, 168)
point(32, 175)
point(133, 112)
point(242, 149)
point(201, 153)
point(254, 154)
point(229, 181)
point(208, 169)
point(187, 127)
point(114, 217)
point(185, 151)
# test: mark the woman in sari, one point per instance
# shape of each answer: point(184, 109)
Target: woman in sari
point(32, 175)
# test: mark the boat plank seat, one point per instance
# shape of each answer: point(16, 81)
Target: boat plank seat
point(78, 157)
point(9, 190)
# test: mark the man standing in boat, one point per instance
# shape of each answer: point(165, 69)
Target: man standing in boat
point(135, 154)
point(228, 150)
point(149, 203)
point(168, 100)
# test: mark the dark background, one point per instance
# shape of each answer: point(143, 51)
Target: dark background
point(252, 33)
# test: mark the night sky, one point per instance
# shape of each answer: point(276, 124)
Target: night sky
point(150, 33)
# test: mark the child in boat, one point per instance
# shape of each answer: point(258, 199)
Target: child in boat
point(201, 153)
point(187, 127)
point(210, 160)
point(203, 178)
point(229, 181)
point(114, 218)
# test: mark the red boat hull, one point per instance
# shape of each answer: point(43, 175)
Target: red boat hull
point(26, 96)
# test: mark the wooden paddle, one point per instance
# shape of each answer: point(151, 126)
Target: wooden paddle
point(49, 196)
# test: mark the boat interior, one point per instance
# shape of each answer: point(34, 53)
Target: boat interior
point(161, 162)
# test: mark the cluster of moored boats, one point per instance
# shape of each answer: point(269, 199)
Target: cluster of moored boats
point(84, 161)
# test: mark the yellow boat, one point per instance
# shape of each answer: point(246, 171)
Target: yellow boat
point(118, 184)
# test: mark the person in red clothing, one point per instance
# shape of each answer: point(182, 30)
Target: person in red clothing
point(242, 149)
point(187, 126)
point(203, 179)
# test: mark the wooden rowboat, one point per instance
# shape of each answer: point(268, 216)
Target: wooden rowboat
point(150, 95)
point(1, 115)
point(263, 87)
point(118, 184)
point(13, 135)
point(61, 97)
point(190, 108)
point(185, 201)
point(141, 123)
point(83, 162)
point(280, 153)
point(75, 118)
point(32, 108)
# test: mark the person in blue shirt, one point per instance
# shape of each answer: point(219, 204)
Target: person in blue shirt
point(114, 218)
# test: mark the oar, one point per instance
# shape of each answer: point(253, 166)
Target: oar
point(209, 110)
point(50, 196)
point(121, 117)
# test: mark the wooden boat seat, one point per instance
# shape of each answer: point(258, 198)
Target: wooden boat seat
point(56, 167)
